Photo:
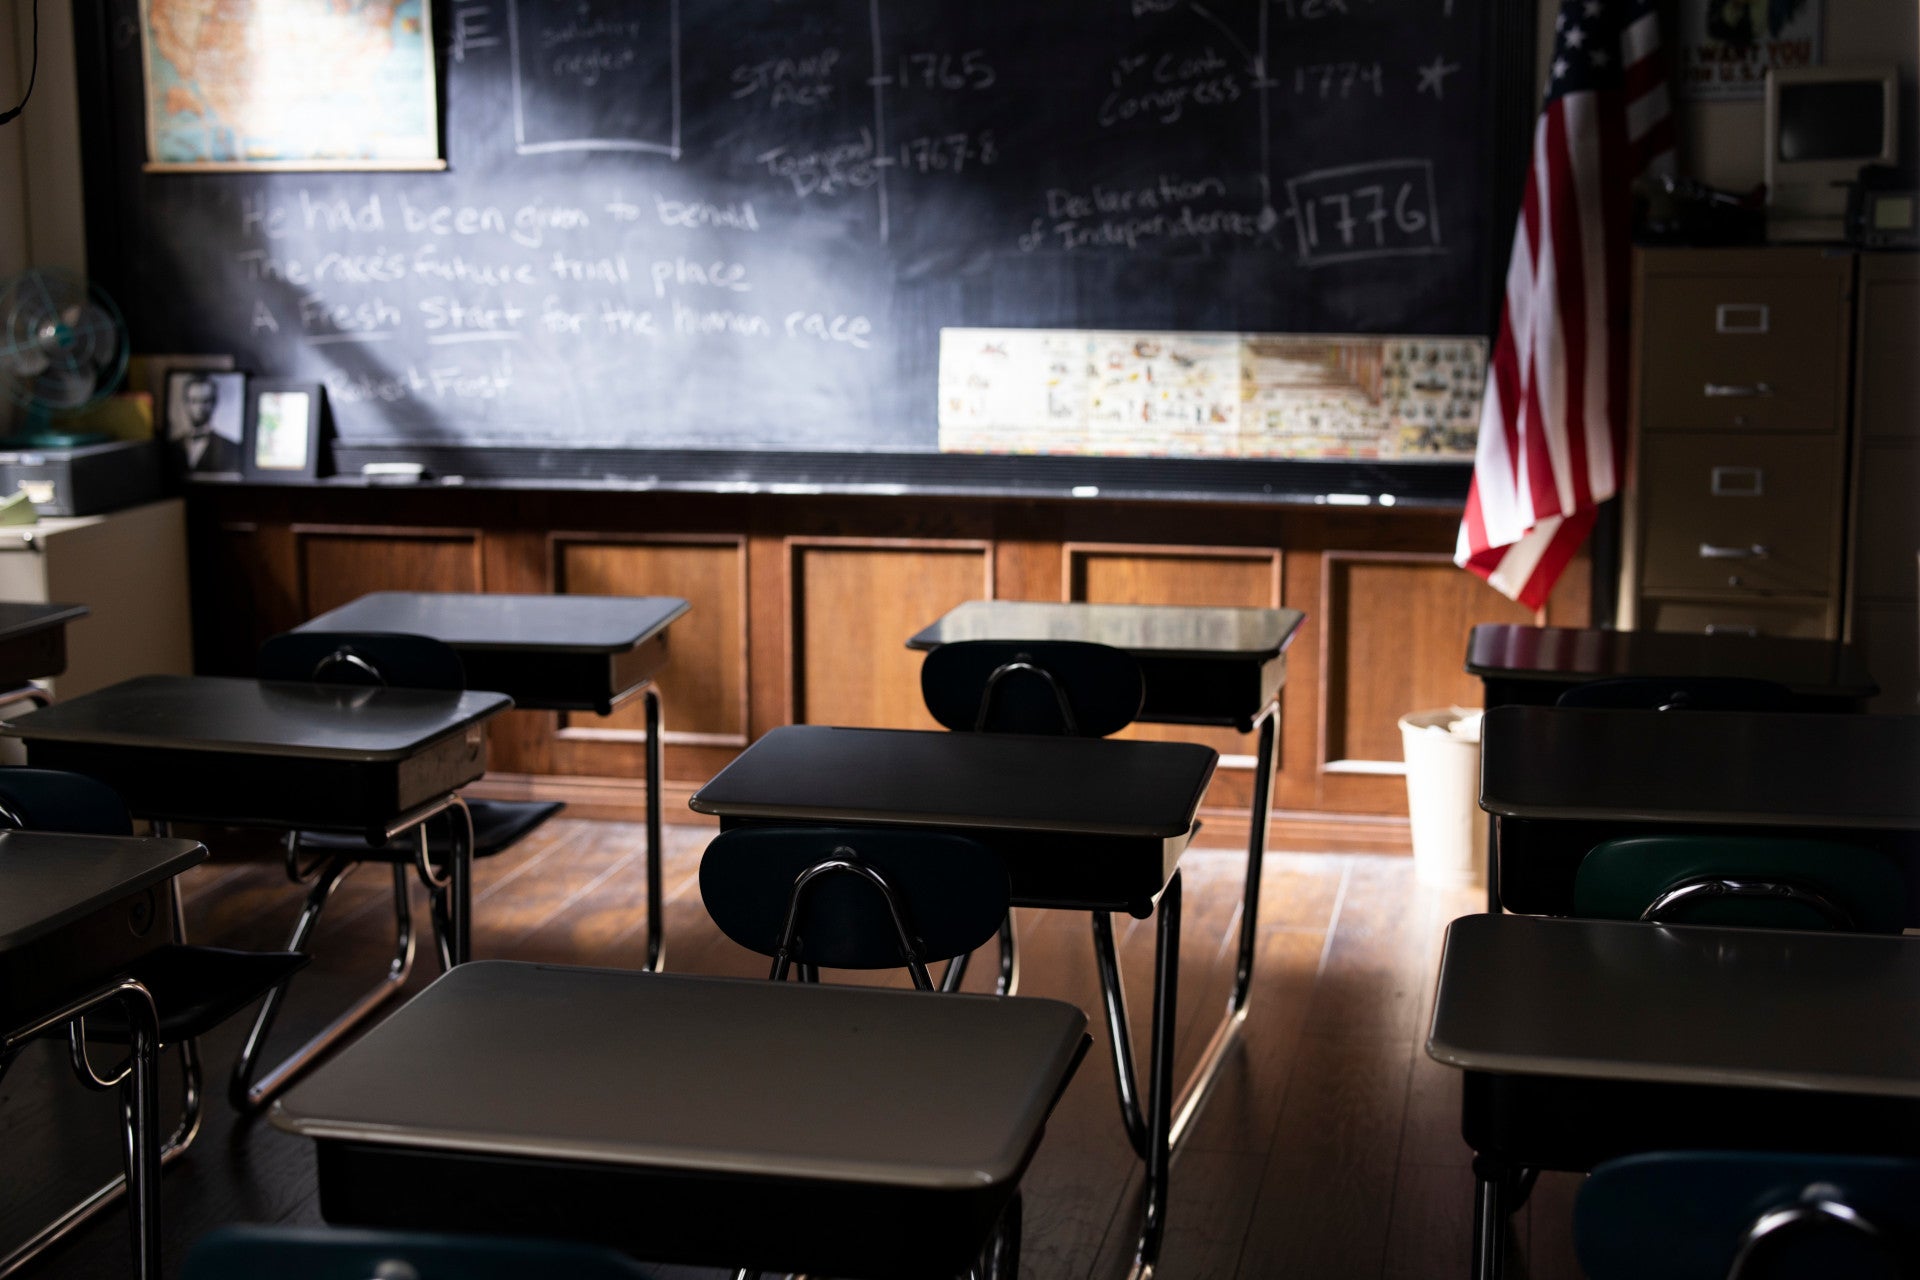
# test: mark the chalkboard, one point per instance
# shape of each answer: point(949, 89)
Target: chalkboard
point(737, 227)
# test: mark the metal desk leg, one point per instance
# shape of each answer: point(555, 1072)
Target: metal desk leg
point(1152, 1133)
point(248, 1096)
point(143, 1129)
point(139, 1083)
point(460, 888)
point(656, 770)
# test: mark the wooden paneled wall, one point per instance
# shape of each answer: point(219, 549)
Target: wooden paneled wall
point(801, 607)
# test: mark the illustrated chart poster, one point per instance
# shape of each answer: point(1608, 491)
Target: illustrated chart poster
point(289, 84)
point(1105, 393)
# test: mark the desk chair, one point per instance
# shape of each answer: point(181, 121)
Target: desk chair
point(1712, 1215)
point(322, 860)
point(821, 897)
point(305, 1253)
point(1680, 693)
point(1061, 687)
point(1753, 881)
point(188, 990)
point(1708, 879)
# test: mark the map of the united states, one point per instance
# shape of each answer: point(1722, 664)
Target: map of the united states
point(288, 81)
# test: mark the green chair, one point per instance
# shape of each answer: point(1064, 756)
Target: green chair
point(1753, 881)
point(1738, 1215)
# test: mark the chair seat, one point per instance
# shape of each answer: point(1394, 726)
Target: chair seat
point(195, 989)
point(497, 825)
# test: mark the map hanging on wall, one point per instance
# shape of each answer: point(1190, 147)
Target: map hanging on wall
point(290, 84)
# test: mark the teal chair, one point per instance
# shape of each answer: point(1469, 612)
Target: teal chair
point(310, 1253)
point(1753, 881)
point(1732, 1215)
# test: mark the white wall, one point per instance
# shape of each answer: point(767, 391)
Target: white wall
point(41, 218)
point(1721, 143)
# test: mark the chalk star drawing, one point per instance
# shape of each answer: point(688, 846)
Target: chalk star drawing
point(1433, 76)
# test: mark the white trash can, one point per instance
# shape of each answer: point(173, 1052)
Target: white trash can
point(1443, 796)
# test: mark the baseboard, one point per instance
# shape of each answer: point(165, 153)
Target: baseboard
point(625, 800)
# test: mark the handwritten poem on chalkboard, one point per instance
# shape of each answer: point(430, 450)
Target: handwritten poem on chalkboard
point(741, 225)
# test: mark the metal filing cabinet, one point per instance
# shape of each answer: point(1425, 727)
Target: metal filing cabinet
point(130, 568)
point(1883, 591)
point(1735, 517)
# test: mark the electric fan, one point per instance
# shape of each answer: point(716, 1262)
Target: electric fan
point(63, 349)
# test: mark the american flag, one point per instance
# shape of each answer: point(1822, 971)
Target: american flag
point(1553, 424)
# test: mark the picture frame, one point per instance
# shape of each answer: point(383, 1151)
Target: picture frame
point(284, 420)
point(203, 421)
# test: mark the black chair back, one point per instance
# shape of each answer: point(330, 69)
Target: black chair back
point(853, 898)
point(54, 800)
point(1060, 687)
point(391, 658)
point(1684, 693)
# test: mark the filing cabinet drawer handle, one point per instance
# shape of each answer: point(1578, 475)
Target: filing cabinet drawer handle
point(1740, 317)
point(1732, 629)
point(1710, 552)
point(1737, 482)
point(1736, 390)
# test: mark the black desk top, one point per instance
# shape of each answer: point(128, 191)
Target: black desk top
point(252, 717)
point(1716, 767)
point(1092, 786)
point(1172, 631)
point(48, 881)
point(17, 620)
point(1680, 1004)
point(1508, 652)
point(535, 623)
point(717, 1075)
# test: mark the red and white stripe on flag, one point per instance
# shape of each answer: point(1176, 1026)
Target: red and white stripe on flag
point(1553, 422)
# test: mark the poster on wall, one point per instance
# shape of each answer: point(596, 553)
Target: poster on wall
point(1113, 394)
point(1727, 46)
point(290, 84)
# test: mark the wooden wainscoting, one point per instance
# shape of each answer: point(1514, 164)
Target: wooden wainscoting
point(341, 563)
point(851, 604)
point(801, 607)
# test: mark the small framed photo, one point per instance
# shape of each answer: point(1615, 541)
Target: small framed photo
point(205, 419)
point(283, 431)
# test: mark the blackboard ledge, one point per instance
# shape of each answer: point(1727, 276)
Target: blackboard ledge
point(1417, 486)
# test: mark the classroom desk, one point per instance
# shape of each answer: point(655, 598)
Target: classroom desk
point(33, 644)
point(1089, 824)
point(367, 761)
point(1559, 780)
point(840, 1130)
point(1200, 665)
point(547, 653)
point(1532, 666)
point(75, 912)
point(1586, 1040)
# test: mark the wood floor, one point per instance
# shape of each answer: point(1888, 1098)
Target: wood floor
point(1329, 1149)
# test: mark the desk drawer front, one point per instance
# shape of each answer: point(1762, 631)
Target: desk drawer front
point(86, 954)
point(1743, 353)
point(1795, 619)
point(1757, 515)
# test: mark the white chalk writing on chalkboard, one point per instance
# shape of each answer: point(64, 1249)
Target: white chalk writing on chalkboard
point(568, 73)
point(1383, 209)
